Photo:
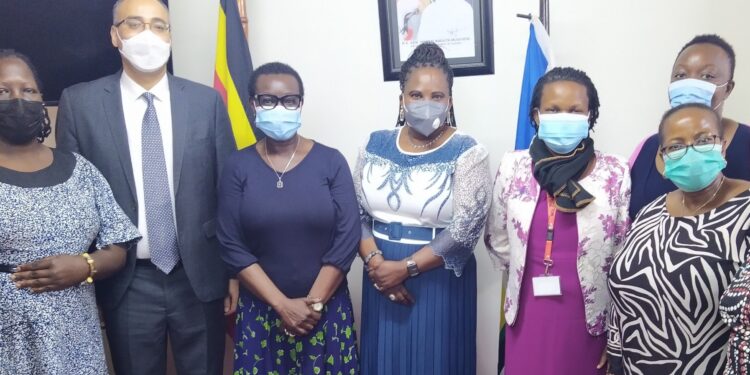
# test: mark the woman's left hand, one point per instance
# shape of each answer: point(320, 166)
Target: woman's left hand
point(603, 360)
point(232, 298)
point(52, 273)
point(388, 274)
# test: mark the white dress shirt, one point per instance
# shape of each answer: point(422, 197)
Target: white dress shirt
point(134, 108)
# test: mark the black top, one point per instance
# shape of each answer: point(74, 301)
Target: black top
point(647, 183)
point(293, 231)
point(56, 173)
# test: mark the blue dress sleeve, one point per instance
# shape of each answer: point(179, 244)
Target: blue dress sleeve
point(234, 251)
point(347, 232)
point(114, 226)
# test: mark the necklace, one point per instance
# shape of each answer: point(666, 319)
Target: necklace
point(426, 145)
point(706, 202)
point(280, 183)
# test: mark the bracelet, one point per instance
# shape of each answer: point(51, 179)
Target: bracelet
point(372, 255)
point(92, 267)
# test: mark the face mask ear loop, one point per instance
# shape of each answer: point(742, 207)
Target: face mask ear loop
point(722, 102)
point(117, 32)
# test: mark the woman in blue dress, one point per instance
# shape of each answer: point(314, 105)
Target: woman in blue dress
point(53, 206)
point(424, 189)
point(289, 229)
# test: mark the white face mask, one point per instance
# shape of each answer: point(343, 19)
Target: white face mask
point(146, 51)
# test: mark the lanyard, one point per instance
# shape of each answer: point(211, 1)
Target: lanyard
point(551, 212)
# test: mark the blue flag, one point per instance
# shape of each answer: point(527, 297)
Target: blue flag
point(538, 61)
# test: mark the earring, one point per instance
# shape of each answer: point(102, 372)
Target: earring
point(401, 115)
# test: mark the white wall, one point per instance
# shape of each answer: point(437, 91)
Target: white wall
point(627, 47)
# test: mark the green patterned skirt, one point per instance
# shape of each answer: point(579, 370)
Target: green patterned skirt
point(263, 348)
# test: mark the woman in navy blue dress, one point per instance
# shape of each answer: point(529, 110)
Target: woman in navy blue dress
point(703, 73)
point(289, 229)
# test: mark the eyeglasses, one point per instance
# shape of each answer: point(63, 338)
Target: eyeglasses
point(702, 144)
point(267, 101)
point(137, 25)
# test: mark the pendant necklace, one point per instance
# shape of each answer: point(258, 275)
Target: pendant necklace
point(280, 182)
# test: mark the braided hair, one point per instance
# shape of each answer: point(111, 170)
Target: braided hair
point(12, 54)
point(566, 74)
point(427, 54)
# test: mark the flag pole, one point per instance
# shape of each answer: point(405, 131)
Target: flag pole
point(543, 14)
point(243, 15)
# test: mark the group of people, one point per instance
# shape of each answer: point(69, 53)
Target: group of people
point(628, 268)
point(613, 267)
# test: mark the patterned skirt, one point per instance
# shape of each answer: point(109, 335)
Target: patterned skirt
point(262, 347)
point(436, 336)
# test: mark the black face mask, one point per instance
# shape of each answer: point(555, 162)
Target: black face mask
point(21, 121)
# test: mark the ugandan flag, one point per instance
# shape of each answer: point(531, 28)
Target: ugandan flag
point(233, 69)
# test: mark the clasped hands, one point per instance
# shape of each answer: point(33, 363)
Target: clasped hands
point(388, 277)
point(53, 273)
point(297, 315)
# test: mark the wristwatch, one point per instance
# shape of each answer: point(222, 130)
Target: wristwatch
point(411, 267)
point(318, 305)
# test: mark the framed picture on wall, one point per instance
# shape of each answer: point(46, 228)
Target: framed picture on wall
point(462, 28)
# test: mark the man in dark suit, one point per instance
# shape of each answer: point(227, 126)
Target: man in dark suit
point(160, 141)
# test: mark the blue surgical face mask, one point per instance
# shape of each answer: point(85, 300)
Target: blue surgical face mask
point(695, 170)
point(280, 124)
point(562, 132)
point(691, 90)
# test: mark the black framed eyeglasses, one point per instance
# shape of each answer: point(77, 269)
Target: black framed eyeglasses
point(703, 144)
point(136, 25)
point(267, 101)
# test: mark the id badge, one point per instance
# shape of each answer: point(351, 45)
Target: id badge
point(547, 286)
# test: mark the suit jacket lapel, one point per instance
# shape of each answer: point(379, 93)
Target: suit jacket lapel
point(180, 118)
point(116, 121)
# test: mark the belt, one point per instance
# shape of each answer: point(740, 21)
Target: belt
point(7, 268)
point(397, 231)
point(146, 262)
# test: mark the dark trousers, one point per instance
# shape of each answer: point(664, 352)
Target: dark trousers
point(156, 307)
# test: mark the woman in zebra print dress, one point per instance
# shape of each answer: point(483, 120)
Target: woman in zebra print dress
point(680, 255)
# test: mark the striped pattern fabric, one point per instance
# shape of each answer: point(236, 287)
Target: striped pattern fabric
point(436, 336)
point(233, 70)
point(666, 285)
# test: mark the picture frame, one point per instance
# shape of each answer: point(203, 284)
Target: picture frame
point(462, 28)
